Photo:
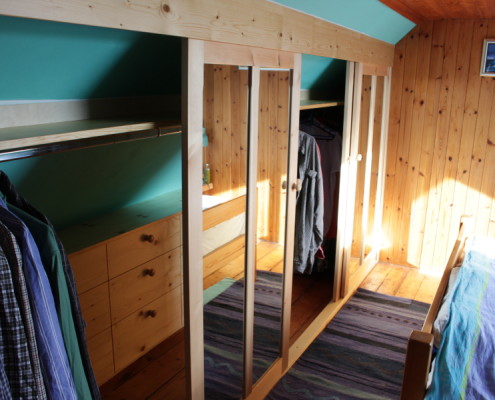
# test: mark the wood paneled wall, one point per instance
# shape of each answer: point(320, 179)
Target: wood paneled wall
point(441, 149)
point(272, 154)
point(225, 105)
point(225, 120)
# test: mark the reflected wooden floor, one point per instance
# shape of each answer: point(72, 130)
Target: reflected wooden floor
point(160, 374)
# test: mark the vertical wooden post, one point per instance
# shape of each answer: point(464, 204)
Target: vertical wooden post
point(380, 184)
point(352, 173)
point(295, 92)
point(367, 169)
point(251, 228)
point(192, 218)
point(340, 269)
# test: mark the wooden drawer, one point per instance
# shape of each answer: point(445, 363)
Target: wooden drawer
point(141, 285)
point(135, 335)
point(95, 307)
point(90, 267)
point(101, 355)
point(143, 244)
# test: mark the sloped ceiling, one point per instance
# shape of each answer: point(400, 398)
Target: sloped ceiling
point(370, 17)
point(421, 10)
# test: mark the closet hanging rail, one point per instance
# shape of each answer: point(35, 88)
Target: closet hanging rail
point(36, 140)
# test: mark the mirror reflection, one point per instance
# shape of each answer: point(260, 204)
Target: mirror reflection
point(273, 136)
point(371, 239)
point(224, 200)
point(357, 254)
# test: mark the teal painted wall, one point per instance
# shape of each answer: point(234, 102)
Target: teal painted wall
point(323, 74)
point(74, 186)
point(46, 60)
point(366, 16)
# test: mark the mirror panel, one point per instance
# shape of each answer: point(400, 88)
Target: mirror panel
point(371, 231)
point(224, 203)
point(273, 128)
point(357, 232)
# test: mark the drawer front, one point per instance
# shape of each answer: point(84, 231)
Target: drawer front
point(101, 355)
point(135, 335)
point(95, 307)
point(143, 244)
point(90, 267)
point(141, 285)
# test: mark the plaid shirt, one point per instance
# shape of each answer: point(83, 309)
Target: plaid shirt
point(58, 379)
point(14, 198)
point(14, 258)
point(4, 381)
point(14, 345)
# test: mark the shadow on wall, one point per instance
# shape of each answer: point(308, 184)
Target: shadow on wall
point(325, 78)
point(78, 62)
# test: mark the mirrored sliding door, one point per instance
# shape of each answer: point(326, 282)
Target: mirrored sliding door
point(245, 144)
point(225, 105)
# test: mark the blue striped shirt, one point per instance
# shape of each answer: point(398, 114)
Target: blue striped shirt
point(59, 382)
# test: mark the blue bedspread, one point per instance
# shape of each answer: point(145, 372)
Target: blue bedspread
point(465, 361)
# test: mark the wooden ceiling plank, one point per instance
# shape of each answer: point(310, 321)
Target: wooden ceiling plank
point(423, 10)
point(403, 9)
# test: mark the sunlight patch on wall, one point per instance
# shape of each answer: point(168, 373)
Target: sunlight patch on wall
point(429, 246)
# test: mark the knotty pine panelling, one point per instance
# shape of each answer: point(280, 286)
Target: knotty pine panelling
point(441, 148)
point(225, 105)
point(225, 120)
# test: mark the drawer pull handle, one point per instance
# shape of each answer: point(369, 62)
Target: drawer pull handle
point(150, 313)
point(148, 238)
point(149, 272)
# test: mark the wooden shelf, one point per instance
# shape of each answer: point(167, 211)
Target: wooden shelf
point(101, 228)
point(32, 140)
point(311, 104)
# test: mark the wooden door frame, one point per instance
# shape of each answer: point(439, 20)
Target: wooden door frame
point(350, 158)
point(196, 54)
point(192, 218)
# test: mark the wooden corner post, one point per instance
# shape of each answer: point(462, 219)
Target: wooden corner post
point(192, 153)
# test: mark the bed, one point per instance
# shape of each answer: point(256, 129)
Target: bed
point(453, 355)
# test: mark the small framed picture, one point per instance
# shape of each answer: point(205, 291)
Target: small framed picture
point(488, 58)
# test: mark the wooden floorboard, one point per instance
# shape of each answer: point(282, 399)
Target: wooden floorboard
point(160, 374)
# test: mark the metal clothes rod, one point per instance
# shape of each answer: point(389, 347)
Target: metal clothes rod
point(79, 144)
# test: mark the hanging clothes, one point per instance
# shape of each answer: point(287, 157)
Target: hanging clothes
point(56, 257)
point(52, 262)
point(329, 142)
point(309, 205)
point(5, 393)
point(13, 344)
point(13, 254)
point(57, 374)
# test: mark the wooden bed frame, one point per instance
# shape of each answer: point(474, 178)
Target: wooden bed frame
point(420, 344)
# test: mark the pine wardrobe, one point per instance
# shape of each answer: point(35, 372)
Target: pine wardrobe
point(139, 269)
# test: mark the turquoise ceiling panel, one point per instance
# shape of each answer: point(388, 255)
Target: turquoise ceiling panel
point(366, 16)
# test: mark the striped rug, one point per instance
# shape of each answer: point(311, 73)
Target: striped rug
point(223, 333)
point(359, 355)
